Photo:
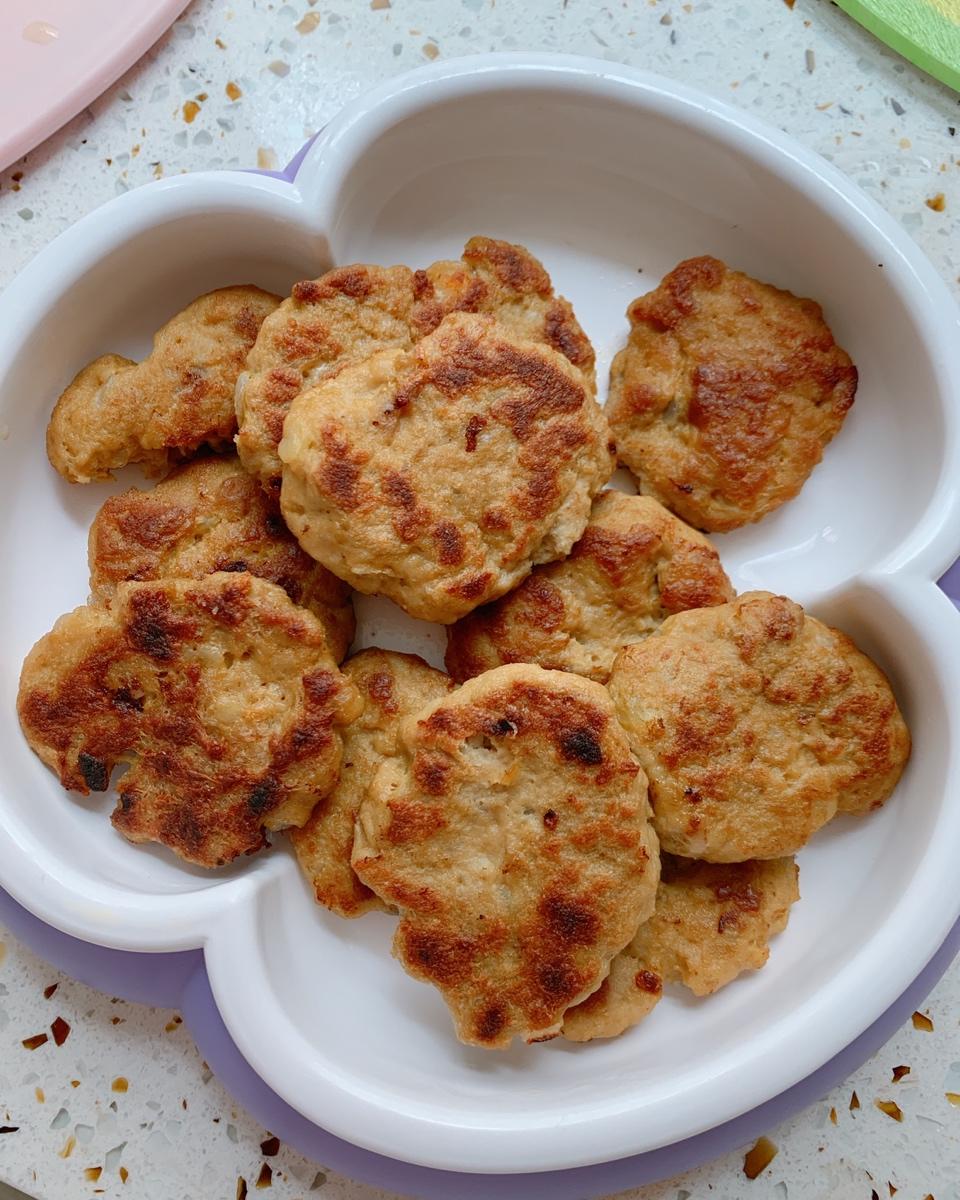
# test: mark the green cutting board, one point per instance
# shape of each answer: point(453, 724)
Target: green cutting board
point(927, 32)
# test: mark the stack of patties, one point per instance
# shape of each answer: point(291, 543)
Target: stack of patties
point(433, 437)
point(207, 657)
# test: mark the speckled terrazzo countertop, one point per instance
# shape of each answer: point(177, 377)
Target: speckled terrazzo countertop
point(116, 1101)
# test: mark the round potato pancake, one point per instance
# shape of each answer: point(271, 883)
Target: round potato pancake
point(726, 394)
point(220, 693)
point(755, 723)
point(635, 565)
point(712, 921)
point(167, 407)
point(393, 686)
point(207, 516)
point(439, 476)
point(512, 832)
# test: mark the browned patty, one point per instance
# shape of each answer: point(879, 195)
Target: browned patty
point(394, 686)
point(219, 692)
point(755, 724)
point(511, 831)
point(207, 516)
point(712, 921)
point(439, 476)
point(635, 565)
point(726, 394)
point(165, 408)
point(353, 311)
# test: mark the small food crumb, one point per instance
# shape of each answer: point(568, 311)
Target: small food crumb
point(430, 50)
point(120, 1084)
point(116, 1020)
point(233, 91)
point(309, 23)
point(270, 1147)
point(923, 1022)
point(759, 1157)
point(172, 1024)
point(68, 1146)
point(60, 1030)
point(891, 1108)
point(954, 1098)
point(49, 990)
point(899, 1072)
point(40, 1095)
point(938, 202)
point(265, 1178)
point(854, 1101)
point(74, 1083)
point(33, 1043)
point(124, 1174)
point(190, 110)
point(92, 1174)
point(833, 1115)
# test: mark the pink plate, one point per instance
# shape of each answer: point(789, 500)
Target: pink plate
point(58, 55)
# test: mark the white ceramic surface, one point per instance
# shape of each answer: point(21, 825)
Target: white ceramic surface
point(602, 171)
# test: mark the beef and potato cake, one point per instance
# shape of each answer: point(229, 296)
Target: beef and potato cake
point(438, 476)
point(159, 411)
point(511, 830)
point(220, 693)
point(210, 515)
point(756, 724)
point(634, 565)
point(726, 394)
point(394, 686)
point(712, 921)
point(353, 311)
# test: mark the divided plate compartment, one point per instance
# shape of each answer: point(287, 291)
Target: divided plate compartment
point(610, 176)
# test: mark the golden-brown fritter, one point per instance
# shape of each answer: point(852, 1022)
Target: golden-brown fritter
point(512, 832)
point(635, 564)
point(394, 686)
point(439, 476)
point(754, 723)
point(207, 516)
point(353, 311)
point(220, 692)
point(165, 408)
point(712, 921)
point(726, 394)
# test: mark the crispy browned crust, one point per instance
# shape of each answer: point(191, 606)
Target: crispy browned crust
point(163, 409)
point(352, 312)
point(511, 831)
point(439, 476)
point(394, 686)
point(207, 516)
point(726, 394)
point(635, 565)
point(712, 921)
point(755, 723)
point(220, 692)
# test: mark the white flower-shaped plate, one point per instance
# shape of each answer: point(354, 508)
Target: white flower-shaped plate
point(611, 177)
